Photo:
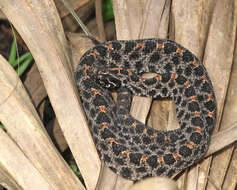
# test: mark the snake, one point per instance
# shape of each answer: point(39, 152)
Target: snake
point(128, 147)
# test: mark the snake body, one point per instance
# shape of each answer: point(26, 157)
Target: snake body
point(127, 146)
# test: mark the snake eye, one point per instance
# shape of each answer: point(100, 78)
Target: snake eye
point(107, 85)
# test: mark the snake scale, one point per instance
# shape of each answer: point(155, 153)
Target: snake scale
point(127, 146)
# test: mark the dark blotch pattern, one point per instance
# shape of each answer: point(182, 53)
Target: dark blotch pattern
point(115, 56)
point(150, 81)
point(180, 80)
point(168, 67)
point(101, 50)
point(89, 60)
point(180, 114)
point(134, 55)
point(86, 94)
point(173, 138)
point(196, 138)
point(152, 93)
point(169, 159)
point(193, 106)
point(185, 151)
point(197, 83)
point(141, 170)
point(165, 77)
point(187, 56)
point(187, 116)
point(198, 71)
point(117, 148)
point(160, 138)
point(99, 100)
point(116, 45)
point(137, 140)
point(104, 146)
point(139, 129)
point(170, 173)
point(188, 70)
point(102, 117)
point(206, 87)
point(107, 158)
point(135, 158)
point(155, 57)
point(169, 48)
point(178, 100)
point(210, 105)
point(129, 46)
point(190, 91)
point(175, 60)
point(152, 161)
point(120, 161)
point(149, 47)
point(164, 92)
point(210, 121)
point(161, 170)
point(107, 134)
point(139, 65)
point(197, 121)
point(126, 172)
point(146, 140)
point(171, 84)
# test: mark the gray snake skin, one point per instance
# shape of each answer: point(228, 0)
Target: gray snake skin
point(127, 146)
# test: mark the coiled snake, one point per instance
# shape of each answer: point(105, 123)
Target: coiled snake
point(127, 146)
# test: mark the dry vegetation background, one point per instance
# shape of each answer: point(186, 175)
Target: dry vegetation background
point(28, 157)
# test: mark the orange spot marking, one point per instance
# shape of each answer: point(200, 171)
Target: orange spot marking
point(94, 53)
point(105, 125)
point(102, 109)
point(145, 131)
point(195, 63)
point(209, 97)
point(126, 152)
point(176, 155)
point(198, 129)
point(85, 69)
point(159, 46)
point(173, 76)
point(139, 45)
point(179, 51)
point(121, 107)
point(124, 93)
point(95, 91)
point(204, 78)
point(109, 47)
point(210, 113)
point(187, 84)
point(160, 159)
point(192, 98)
point(158, 77)
point(196, 113)
point(116, 69)
point(191, 145)
point(134, 124)
point(143, 159)
point(167, 138)
point(154, 136)
point(129, 72)
point(111, 140)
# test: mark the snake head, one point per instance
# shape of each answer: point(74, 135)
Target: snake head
point(108, 80)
